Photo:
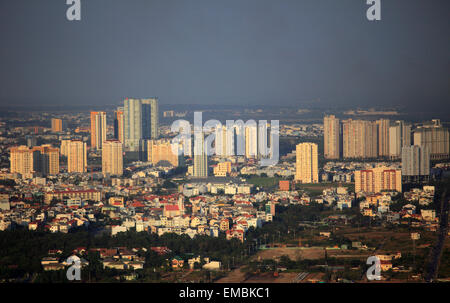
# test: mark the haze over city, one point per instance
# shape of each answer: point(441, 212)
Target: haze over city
point(226, 52)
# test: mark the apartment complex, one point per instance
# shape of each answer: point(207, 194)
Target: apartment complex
point(359, 139)
point(160, 151)
point(378, 179)
point(399, 136)
point(98, 129)
point(332, 137)
point(57, 125)
point(112, 158)
point(435, 138)
point(77, 158)
point(141, 121)
point(200, 157)
point(307, 167)
point(38, 159)
point(415, 161)
point(119, 133)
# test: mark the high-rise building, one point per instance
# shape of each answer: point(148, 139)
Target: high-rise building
point(39, 159)
point(383, 137)
point(435, 137)
point(160, 151)
point(21, 160)
point(98, 129)
point(119, 133)
point(332, 137)
point(65, 148)
point(77, 158)
point(251, 141)
point(200, 156)
point(378, 179)
point(112, 158)
point(360, 139)
point(225, 142)
point(415, 161)
point(307, 159)
point(46, 160)
point(57, 125)
point(399, 136)
point(141, 122)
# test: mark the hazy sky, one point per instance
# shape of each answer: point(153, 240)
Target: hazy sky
point(226, 51)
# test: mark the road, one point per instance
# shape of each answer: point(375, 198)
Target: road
point(436, 252)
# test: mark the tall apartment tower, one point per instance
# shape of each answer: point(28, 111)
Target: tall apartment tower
point(224, 142)
point(331, 137)
point(112, 158)
point(251, 141)
point(119, 133)
point(360, 139)
point(21, 160)
point(200, 157)
point(399, 136)
point(141, 122)
point(307, 159)
point(46, 160)
point(98, 129)
point(383, 137)
point(415, 161)
point(57, 125)
point(77, 158)
point(435, 137)
point(64, 148)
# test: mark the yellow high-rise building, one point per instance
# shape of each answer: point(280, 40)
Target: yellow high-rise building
point(112, 158)
point(359, 139)
point(77, 158)
point(307, 163)
point(57, 125)
point(119, 132)
point(98, 129)
point(21, 160)
point(65, 147)
point(383, 137)
point(251, 141)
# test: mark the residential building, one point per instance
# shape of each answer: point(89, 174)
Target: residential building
point(307, 169)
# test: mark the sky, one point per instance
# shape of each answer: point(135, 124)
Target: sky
point(229, 52)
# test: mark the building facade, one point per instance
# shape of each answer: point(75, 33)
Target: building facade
point(378, 179)
point(307, 159)
point(77, 157)
point(112, 158)
point(98, 129)
point(332, 137)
